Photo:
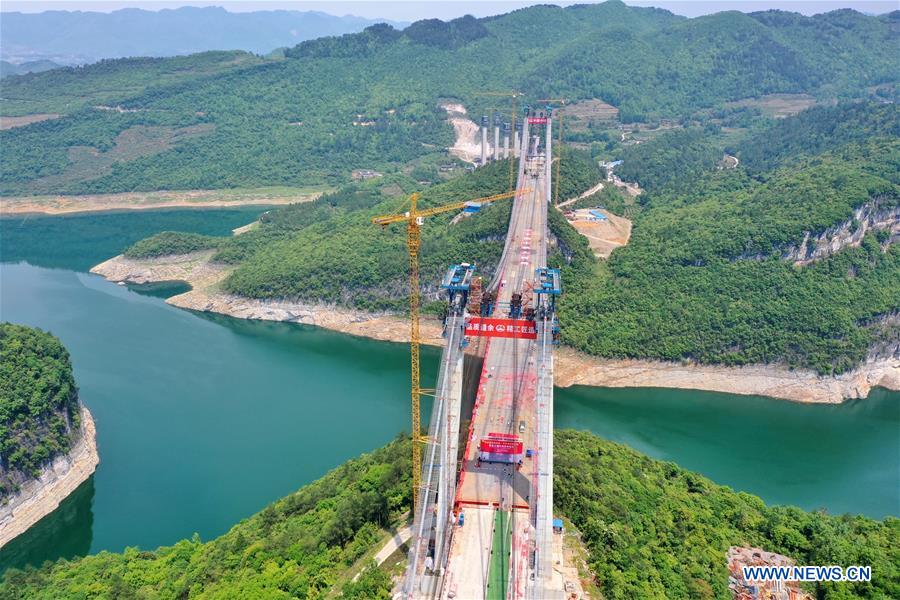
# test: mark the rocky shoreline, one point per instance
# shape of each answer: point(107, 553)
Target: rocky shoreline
point(798, 385)
point(39, 497)
point(126, 201)
point(572, 367)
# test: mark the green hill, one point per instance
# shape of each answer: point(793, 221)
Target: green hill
point(328, 250)
point(707, 276)
point(68, 90)
point(370, 100)
point(39, 409)
point(652, 529)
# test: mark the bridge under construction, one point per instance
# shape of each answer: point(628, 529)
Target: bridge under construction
point(483, 521)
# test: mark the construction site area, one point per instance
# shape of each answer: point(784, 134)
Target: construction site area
point(483, 525)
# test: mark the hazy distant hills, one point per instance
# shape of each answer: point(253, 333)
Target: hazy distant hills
point(31, 66)
point(75, 37)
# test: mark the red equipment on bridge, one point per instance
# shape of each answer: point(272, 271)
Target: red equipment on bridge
point(501, 447)
point(504, 328)
point(537, 120)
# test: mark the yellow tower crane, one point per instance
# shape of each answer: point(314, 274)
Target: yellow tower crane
point(512, 123)
point(414, 218)
point(559, 143)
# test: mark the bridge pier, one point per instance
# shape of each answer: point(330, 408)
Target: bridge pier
point(484, 124)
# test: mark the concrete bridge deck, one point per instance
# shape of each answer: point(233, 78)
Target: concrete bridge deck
point(507, 403)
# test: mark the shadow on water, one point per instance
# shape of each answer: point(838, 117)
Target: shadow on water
point(81, 241)
point(472, 367)
point(161, 289)
point(365, 354)
point(65, 533)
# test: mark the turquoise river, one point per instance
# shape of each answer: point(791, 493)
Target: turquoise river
point(202, 420)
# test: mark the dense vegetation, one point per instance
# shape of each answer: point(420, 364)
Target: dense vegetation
point(674, 158)
point(298, 547)
point(370, 100)
point(69, 89)
point(172, 242)
point(653, 530)
point(703, 277)
point(818, 130)
point(313, 251)
point(39, 410)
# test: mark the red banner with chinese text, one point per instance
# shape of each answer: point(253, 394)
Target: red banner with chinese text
point(504, 328)
point(495, 446)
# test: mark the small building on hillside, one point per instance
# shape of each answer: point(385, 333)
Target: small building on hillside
point(361, 174)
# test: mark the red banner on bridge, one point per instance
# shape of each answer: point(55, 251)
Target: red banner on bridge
point(504, 328)
point(500, 446)
point(537, 120)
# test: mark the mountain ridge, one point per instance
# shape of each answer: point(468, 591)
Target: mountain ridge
point(78, 37)
point(295, 121)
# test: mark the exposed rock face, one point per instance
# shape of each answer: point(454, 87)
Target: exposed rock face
point(739, 557)
point(866, 218)
point(467, 146)
point(39, 497)
point(869, 217)
point(194, 268)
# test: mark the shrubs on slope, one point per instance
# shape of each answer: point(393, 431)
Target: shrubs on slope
point(657, 299)
point(703, 278)
point(172, 242)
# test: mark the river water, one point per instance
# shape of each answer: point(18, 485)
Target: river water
point(203, 420)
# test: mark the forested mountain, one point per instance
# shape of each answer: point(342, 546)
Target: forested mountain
point(39, 410)
point(76, 37)
point(708, 275)
point(652, 530)
point(818, 130)
point(102, 85)
point(328, 250)
point(370, 100)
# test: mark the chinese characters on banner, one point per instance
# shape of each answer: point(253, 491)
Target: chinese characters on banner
point(504, 328)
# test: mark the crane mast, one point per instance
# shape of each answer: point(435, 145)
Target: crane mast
point(412, 246)
point(414, 219)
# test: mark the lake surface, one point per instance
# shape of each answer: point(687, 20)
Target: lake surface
point(203, 420)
